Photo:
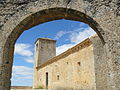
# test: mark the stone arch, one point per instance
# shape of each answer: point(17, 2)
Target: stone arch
point(50, 15)
point(36, 13)
point(45, 16)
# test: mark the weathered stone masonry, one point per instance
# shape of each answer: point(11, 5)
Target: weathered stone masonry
point(103, 16)
point(71, 70)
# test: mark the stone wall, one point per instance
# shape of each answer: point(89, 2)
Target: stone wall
point(100, 63)
point(103, 16)
point(71, 70)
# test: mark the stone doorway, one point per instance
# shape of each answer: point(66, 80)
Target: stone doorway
point(47, 80)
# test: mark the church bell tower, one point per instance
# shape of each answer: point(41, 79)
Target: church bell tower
point(44, 49)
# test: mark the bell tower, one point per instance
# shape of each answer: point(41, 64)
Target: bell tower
point(44, 49)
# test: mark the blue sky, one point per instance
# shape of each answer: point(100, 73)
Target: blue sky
point(67, 33)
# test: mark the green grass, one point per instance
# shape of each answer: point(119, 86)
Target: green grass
point(40, 87)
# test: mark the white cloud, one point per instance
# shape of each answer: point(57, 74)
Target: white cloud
point(60, 34)
point(63, 48)
point(22, 75)
point(78, 37)
point(75, 37)
point(29, 59)
point(22, 70)
point(23, 49)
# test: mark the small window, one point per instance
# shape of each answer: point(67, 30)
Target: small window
point(37, 45)
point(79, 63)
point(58, 77)
point(67, 62)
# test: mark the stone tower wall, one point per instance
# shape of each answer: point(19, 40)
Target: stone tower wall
point(44, 50)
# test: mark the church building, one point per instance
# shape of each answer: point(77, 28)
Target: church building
point(71, 70)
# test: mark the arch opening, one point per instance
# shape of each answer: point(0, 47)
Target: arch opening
point(73, 33)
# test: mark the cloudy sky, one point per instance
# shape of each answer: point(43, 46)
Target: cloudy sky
point(67, 33)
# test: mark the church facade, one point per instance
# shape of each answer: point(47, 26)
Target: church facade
point(71, 70)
